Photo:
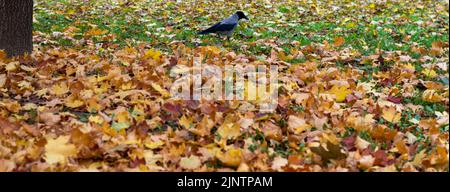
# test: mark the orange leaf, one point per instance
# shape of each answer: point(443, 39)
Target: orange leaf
point(338, 41)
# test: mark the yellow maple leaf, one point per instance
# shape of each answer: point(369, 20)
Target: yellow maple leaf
point(429, 73)
point(419, 158)
point(232, 157)
point(138, 113)
point(185, 122)
point(154, 144)
point(160, 90)
point(154, 54)
point(93, 105)
point(123, 117)
point(391, 115)
point(229, 129)
point(58, 150)
point(430, 95)
point(60, 89)
point(361, 123)
point(96, 119)
point(340, 92)
point(409, 66)
point(95, 32)
point(204, 127)
point(73, 102)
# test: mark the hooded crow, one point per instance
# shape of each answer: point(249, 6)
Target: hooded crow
point(226, 26)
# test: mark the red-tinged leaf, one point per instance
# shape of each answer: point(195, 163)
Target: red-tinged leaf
point(7, 127)
point(349, 143)
point(172, 108)
point(380, 158)
point(396, 100)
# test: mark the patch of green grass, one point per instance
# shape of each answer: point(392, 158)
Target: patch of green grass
point(365, 37)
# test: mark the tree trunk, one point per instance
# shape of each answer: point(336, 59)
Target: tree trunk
point(16, 20)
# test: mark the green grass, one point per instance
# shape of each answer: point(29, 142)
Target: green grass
point(128, 26)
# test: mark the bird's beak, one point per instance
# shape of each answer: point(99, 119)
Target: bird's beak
point(246, 18)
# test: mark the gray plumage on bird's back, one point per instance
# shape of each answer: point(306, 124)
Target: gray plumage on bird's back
point(226, 26)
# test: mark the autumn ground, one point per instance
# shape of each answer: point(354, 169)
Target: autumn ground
point(363, 86)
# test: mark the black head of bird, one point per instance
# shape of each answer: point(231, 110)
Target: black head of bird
point(241, 15)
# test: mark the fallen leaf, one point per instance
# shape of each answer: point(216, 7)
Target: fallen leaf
point(58, 150)
point(298, 125)
point(232, 157)
point(366, 161)
point(190, 163)
point(429, 73)
point(390, 114)
point(278, 163)
point(160, 90)
point(229, 129)
point(340, 92)
point(49, 118)
point(338, 41)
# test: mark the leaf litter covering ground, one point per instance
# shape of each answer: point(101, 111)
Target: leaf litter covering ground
point(363, 86)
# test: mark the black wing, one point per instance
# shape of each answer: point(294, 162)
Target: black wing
point(219, 27)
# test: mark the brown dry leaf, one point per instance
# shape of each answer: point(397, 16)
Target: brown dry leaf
point(338, 109)
point(204, 127)
point(2, 80)
point(50, 118)
point(272, 131)
point(2, 55)
point(327, 150)
point(401, 147)
point(297, 125)
point(7, 126)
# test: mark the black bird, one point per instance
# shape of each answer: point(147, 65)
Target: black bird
point(226, 26)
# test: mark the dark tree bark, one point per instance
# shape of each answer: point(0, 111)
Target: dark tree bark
point(16, 20)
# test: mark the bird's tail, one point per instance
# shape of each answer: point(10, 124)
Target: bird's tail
point(204, 32)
